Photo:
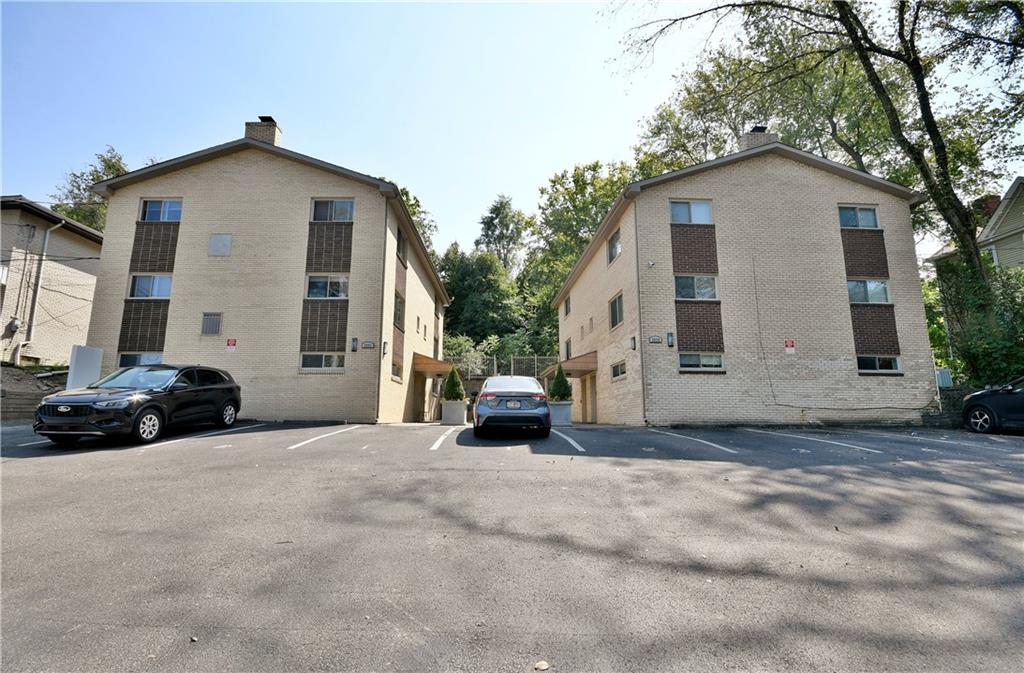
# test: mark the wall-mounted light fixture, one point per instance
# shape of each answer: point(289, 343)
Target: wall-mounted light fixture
point(383, 348)
point(632, 342)
point(671, 339)
point(355, 344)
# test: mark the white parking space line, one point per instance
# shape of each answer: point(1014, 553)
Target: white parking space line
point(930, 439)
point(443, 437)
point(814, 439)
point(696, 439)
point(205, 434)
point(569, 439)
point(329, 434)
point(45, 441)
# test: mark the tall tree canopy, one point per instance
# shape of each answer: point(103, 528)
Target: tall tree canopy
point(504, 231)
point(76, 200)
point(893, 62)
point(484, 300)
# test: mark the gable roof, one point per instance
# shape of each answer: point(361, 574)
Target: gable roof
point(1013, 195)
point(632, 190)
point(17, 201)
point(388, 189)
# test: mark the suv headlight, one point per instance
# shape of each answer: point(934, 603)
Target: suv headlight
point(113, 404)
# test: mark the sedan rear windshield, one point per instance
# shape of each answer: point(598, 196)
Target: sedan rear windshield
point(513, 384)
point(137, 377)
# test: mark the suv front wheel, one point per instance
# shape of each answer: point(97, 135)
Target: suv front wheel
point(148, 426)
point(980, 419)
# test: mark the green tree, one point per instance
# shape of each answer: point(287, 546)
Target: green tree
point(484, 300)
point(503, 231)
point(453, 390)
point(560, 390)
point(75, 198)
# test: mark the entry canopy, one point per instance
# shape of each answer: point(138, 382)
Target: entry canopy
point(430, 366)
point(576, 367)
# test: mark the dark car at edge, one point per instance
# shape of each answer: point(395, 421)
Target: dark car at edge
point(140, 401)
point(994, 408)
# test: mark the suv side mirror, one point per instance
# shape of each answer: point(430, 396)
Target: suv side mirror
point(179, 385)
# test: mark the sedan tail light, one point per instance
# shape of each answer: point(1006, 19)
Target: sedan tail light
point(539, 396)
point(488, 396)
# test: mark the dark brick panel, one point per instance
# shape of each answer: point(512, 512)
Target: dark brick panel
point(329, 247)
point(154, 247)
point(694, 249)
point(324, 325)
point(400, 274)
point(874, 329)
point(143, 325)
point(699, 326)
point(864, 253)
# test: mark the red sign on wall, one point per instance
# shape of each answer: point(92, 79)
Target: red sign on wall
point(790, 345)
point(232, 345)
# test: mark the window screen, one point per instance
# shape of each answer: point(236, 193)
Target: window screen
point(211, 324)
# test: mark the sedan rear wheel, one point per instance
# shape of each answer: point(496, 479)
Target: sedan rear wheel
point(148, 426)
point(980, 419)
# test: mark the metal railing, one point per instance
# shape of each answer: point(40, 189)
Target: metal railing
point(482, 366)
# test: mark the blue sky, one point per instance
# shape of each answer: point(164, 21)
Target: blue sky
point(456, 102)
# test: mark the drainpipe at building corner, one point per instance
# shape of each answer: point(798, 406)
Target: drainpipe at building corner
point(16, 357)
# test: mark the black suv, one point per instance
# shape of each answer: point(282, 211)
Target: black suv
point(140, 401)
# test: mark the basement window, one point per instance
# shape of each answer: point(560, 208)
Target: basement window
point(135, 359)
point(697, 361)
point(618, 370)
point(878, 364)
point(323, 361)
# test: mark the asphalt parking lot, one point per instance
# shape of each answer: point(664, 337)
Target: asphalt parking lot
point(421, 548)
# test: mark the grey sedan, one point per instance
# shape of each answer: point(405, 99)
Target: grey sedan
point(511, 402)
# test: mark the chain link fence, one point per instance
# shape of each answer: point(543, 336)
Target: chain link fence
point(481, 366)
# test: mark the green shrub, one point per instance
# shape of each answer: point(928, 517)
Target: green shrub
point(560, 390)
point(453, 390)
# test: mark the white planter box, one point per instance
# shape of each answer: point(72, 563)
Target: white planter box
point(561, 413)
point(453, 412)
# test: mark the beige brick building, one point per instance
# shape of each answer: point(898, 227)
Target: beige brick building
point(770, 285)
point(307, 281)
point(47, 275)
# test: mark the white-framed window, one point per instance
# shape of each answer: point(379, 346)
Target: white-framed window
point(614, 246)
point(148, 286)
point(134, 359)
point(591, 327)
point(211, 324)
point(322, 361)
point(690, 212)
point(219, 245)
point(618, 370)
point(696, 287)
point(161, 210)
point(868, 291)
point(567, 306)
point(327, 286)
point(400, 246)
point(701, 361)
point(858, 217)
point(333, 210)
point(568, 349)
point(878, 363)
point(396, 370)
point(615, 311)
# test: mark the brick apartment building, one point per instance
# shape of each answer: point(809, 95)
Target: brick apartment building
point(307, 281)
point(47, 275)
point(769, 285)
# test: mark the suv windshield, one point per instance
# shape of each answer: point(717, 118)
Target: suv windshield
point(137, 377)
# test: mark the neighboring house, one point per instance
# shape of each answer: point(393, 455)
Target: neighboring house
point(307, 281)
point(769, 285)
point(1003, 236)
point(48, 272)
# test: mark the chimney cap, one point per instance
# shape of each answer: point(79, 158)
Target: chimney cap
point(756, 129)
point(267, 119)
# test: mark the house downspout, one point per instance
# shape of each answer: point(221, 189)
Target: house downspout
point(639, 310)
point(35, 293)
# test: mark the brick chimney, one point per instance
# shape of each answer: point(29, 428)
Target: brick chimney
point(265, 130)
point(756, 137)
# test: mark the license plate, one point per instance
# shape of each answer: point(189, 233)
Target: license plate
point(512, 404)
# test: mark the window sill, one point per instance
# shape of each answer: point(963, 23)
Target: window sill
point(864, 228)
point(614, 259)
point(703, 371)
point(871, 373)
point(693, 224)
point(396, 379)
point(873, 303)
point(327, 298)
point(612, 329)
point(148, 298)
point(616, 379)
point(321, 371)
point(702, 301)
